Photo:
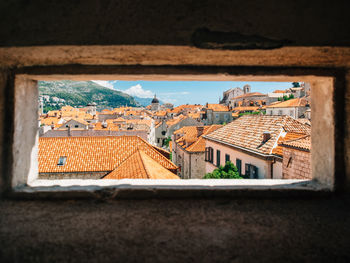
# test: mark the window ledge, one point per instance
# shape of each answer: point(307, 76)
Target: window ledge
point(140, 189)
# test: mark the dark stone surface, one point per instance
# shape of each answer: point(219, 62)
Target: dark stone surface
point(169, 22)
point(315, 230)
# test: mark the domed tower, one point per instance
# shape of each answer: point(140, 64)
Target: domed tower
point(155, 104)
point(91, 108)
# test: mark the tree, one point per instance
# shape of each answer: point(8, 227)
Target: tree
point(291, 96)
point(229, 171)
point(296, 84)
point(279, 99)
point(285, 97)
point(166, 141)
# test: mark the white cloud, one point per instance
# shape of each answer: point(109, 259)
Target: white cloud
point(138, 91)
point(105, 83)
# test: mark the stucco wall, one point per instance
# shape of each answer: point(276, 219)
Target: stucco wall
point(263, 165)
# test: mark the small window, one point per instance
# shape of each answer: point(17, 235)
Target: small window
point(209, 154)
point(280, 112)
point(76, 126)
point(67, 126)
point(62, 160)
point(218, 158)
point(227, 158)
point(163, 133)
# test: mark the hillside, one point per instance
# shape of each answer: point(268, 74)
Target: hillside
point(80, 93)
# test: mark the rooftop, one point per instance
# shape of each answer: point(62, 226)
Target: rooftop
point(247, 132)
point(93, 154)
point(298, 102)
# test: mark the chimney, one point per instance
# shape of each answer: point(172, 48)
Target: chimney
point(200, 130)
point(266, 136)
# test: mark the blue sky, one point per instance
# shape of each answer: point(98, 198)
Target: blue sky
point(191, 92)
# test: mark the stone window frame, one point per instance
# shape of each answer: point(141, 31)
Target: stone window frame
point(24, 168)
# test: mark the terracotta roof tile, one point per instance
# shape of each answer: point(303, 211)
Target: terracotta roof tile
point(140, 166)
point(190, 139)
point(302, 143)
point(103, 153)
point(217, 107)
point(298, 102)
point(247, 131)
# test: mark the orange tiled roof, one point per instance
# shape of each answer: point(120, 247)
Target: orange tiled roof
point(298, 102)
point(183, 107)
point(217, 107)
point(140, 166)
point(289, 136)
point(175, 120)
point(110, 126)
point(190, 135)
point(49, 121)
point(246, 108)
point(302, 143)
point(279, 91)
point(92, 154)
point(247, 131)
point(251, 94)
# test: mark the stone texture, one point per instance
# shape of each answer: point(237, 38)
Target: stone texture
point(175, 231)
point(160, 33)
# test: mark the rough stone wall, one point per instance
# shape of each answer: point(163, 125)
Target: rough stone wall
point(290, 229)
point(299, 166)
point(56, 176)
point(197, 165)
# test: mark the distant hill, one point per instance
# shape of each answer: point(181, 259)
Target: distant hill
point(145, 101)
point(80, 93)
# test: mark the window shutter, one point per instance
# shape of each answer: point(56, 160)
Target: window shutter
point(239, 166)
point(206, 154)
point(217, 158)
point(227, 158)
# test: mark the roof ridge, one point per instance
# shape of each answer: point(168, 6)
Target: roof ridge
point(296, 139)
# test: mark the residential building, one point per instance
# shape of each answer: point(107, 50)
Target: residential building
point(165, 129)
point(295, 108)
point(125, 157)
point(188, 150)
point(216, 114)
point(248, 99)
point(251, 143)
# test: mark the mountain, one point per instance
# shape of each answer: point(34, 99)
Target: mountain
point(145, 101)
point(80, 93)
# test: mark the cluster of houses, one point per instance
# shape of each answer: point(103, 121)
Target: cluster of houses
point(264, 135)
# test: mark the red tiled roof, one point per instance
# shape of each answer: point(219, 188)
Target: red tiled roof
point(247, 131)
point(190, 140)
point(89, 154)
point(217, 107)
point(298, 102)
point(302, 143)
point(140, 166)
point(252, 94)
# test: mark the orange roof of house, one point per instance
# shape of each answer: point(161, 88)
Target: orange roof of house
point(140, 166)
point(161, 113)
point(195, 115)
point(49, 121)
point(175, 120)
point(92, 154)
point(110, 126)
point(298, 102)
point(217, 107)
point(247, 132)
point(279, 91)
point(246, 108)
point(190, 141)
point(301, 143)
point(289, 136)
point(251, 94)
point(184, 107)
